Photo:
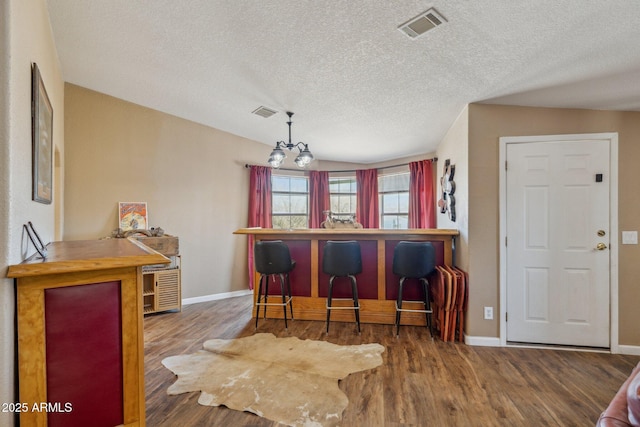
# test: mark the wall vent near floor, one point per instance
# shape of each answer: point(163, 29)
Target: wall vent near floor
point(264, 112)
point(422, 23)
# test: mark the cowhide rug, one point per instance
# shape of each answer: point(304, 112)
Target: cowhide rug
point(287, 380)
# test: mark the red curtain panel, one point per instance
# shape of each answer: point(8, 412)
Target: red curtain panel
point(422, 210)
point(259, 207)
point(318, 197)
point(367, 210)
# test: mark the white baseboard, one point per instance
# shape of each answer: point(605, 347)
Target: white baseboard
point(632, 350)
point(215, 297)
point(482, 341)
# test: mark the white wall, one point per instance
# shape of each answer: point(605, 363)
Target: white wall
point(6, 289)
point(25, 37)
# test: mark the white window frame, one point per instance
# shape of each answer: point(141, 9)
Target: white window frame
point(289, 193)
point(381, 195)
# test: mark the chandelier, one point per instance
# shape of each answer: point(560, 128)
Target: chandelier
point(277, 155)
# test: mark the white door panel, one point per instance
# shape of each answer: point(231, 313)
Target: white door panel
point(557, 282)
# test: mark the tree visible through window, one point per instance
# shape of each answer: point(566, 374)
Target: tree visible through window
point(393, 191)
point(342, 195)
point(289, 201)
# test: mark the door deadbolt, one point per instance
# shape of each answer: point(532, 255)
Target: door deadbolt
point(601, 233)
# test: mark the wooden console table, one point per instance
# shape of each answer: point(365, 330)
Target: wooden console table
point(80, 334)
point(377, 285)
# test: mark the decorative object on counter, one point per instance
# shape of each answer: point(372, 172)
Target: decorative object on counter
point(152, 232)
point(118, 233)
point(132, 215)
point(282, 379)
point(129, 233)
point(42, 139)
point(339, 221)
point(156, 231)
point(447, 203)
point(278, 155)
point(35, 239)
point(122, 234)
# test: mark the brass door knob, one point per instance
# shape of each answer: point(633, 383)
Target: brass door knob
point(601, 246)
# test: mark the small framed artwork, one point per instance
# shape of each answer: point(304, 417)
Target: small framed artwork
point(132, 216)
point(42, 139)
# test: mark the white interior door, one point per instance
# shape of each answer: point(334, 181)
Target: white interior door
point(557, 242)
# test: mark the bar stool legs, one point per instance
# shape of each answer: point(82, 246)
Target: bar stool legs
point(272, 258)
point(342, 259)
point(263, 298)
point(356, 302)
point(329, 297)
point(427, 306)
point(414, 260)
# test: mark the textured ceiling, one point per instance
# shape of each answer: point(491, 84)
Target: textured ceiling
point(361, 90)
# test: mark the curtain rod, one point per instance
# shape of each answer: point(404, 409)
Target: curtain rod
point(434, 159)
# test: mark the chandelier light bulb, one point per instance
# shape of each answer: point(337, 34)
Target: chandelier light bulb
point(278, 155)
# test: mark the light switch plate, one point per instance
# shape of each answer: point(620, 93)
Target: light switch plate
point(629, 237)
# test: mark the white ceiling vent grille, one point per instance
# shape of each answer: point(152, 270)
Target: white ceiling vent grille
point(422, 23)
point(264, 112)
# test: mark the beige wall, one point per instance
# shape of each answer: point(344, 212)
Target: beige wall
point(487, 123)
point(25, 37)
point(191, 176)
point(454, 147)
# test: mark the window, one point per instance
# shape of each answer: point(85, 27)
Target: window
point(289, 201)
point(393, 191)
point(342, 195)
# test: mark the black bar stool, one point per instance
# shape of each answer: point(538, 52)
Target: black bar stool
point(272, 258)
point(414, 260)
point(342, 259)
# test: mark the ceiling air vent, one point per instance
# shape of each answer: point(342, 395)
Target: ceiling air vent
point(264, 112)
point(422, 23)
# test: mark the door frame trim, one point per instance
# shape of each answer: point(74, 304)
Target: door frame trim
point(612, 137)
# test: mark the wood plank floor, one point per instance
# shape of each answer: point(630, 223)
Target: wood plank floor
point(421, 382)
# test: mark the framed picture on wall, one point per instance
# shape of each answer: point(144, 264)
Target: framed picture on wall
point(132, 216)
point(42, 139)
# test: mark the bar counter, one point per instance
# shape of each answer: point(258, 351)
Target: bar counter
point(377, 285)
point(80, 333)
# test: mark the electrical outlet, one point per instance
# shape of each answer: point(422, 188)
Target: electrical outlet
point(488, 313)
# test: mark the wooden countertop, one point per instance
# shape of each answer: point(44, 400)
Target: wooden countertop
point(86, 255)
point(370, 232)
